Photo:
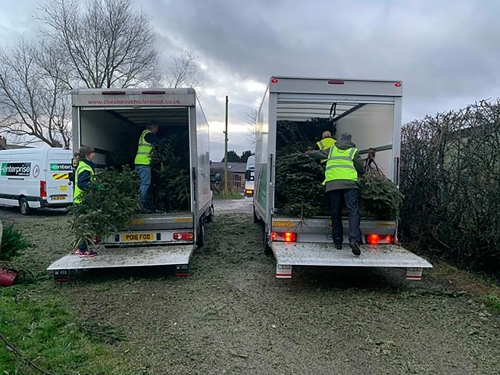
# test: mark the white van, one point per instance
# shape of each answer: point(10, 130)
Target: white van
point(35, 178)
point(249, 176)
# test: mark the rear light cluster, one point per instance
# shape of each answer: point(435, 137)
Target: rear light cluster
point(183, 236)
point(374, 239)
point(43, 189)
point(284, 236)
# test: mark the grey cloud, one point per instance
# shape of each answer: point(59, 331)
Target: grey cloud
point(441, 49)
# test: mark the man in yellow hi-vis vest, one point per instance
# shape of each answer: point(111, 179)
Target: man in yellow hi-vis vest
point(326, 142)
point(83, 178)
point(142, 162)
point(343, 166)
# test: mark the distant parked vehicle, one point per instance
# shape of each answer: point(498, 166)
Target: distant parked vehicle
point(249, 176)
point(32, 178)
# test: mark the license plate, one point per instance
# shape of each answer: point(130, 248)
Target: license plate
point(59, 198)
point(63, 188)
point(137, 237)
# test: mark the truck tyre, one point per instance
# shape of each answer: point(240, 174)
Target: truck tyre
point(267, 248)
point(199, 237)
point(24, 207)
point(211, 214)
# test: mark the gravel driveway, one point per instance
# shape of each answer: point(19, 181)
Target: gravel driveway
point(231, 316)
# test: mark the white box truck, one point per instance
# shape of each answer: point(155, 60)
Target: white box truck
point(371, 111)
point(33, 178)
point(111, 121)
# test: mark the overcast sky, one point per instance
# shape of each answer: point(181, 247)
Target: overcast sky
point(446, 52)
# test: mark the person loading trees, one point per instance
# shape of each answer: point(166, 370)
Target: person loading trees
point(343, 166)
point(83, 178)
point(142, 162)
point(325, 143)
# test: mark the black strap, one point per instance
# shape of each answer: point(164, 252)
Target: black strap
point(333, 109)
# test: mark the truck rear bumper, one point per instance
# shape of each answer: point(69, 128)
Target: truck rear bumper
point(322, 254)
point(127, 257)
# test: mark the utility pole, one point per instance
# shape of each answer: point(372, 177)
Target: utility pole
point(225, 151)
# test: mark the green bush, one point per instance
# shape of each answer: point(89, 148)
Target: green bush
point(13, 242)
point(451, 182)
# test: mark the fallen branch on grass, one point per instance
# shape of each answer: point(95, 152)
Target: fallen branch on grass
point(16, 351)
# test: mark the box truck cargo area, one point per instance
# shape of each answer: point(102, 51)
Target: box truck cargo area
point(112, 122)
point(371, 111)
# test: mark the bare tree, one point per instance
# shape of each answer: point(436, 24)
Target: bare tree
point(252, 121)
point(33, 98)
point(183, 70)
point(108, 44)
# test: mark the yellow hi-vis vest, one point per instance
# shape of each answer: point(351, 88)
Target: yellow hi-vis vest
point(324, 144)
point(340, 165)
point(82, 167)
point(143, 156)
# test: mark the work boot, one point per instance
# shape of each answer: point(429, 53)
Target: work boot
point(86, 253)
point(338, 245)
point(355, 248)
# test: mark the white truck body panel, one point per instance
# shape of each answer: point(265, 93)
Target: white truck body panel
point(372, 112)
point(27, 172)
point(103, 119)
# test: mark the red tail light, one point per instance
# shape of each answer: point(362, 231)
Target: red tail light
point(183, 236)
point(374, 239)
point(336, 82)
point(43, 189)
point(284, 236)
point(274, 80)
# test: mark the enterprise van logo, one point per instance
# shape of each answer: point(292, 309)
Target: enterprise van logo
point(15, 169)
point(57, 167)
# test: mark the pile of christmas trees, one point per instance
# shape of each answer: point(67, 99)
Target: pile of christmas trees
point(299, 189)
point(107, 206)
point(169, 189)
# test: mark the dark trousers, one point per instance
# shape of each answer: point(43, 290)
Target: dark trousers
point(351, 197)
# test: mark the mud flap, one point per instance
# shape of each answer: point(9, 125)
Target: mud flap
point(414, 273)
point(181, 270)
point(283, 271)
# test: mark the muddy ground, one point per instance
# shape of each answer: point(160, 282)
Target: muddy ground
point(231, 316)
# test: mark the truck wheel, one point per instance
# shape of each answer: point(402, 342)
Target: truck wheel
point(267, 248)
point(24, 207)
point(211, 214)
point(201, 232)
